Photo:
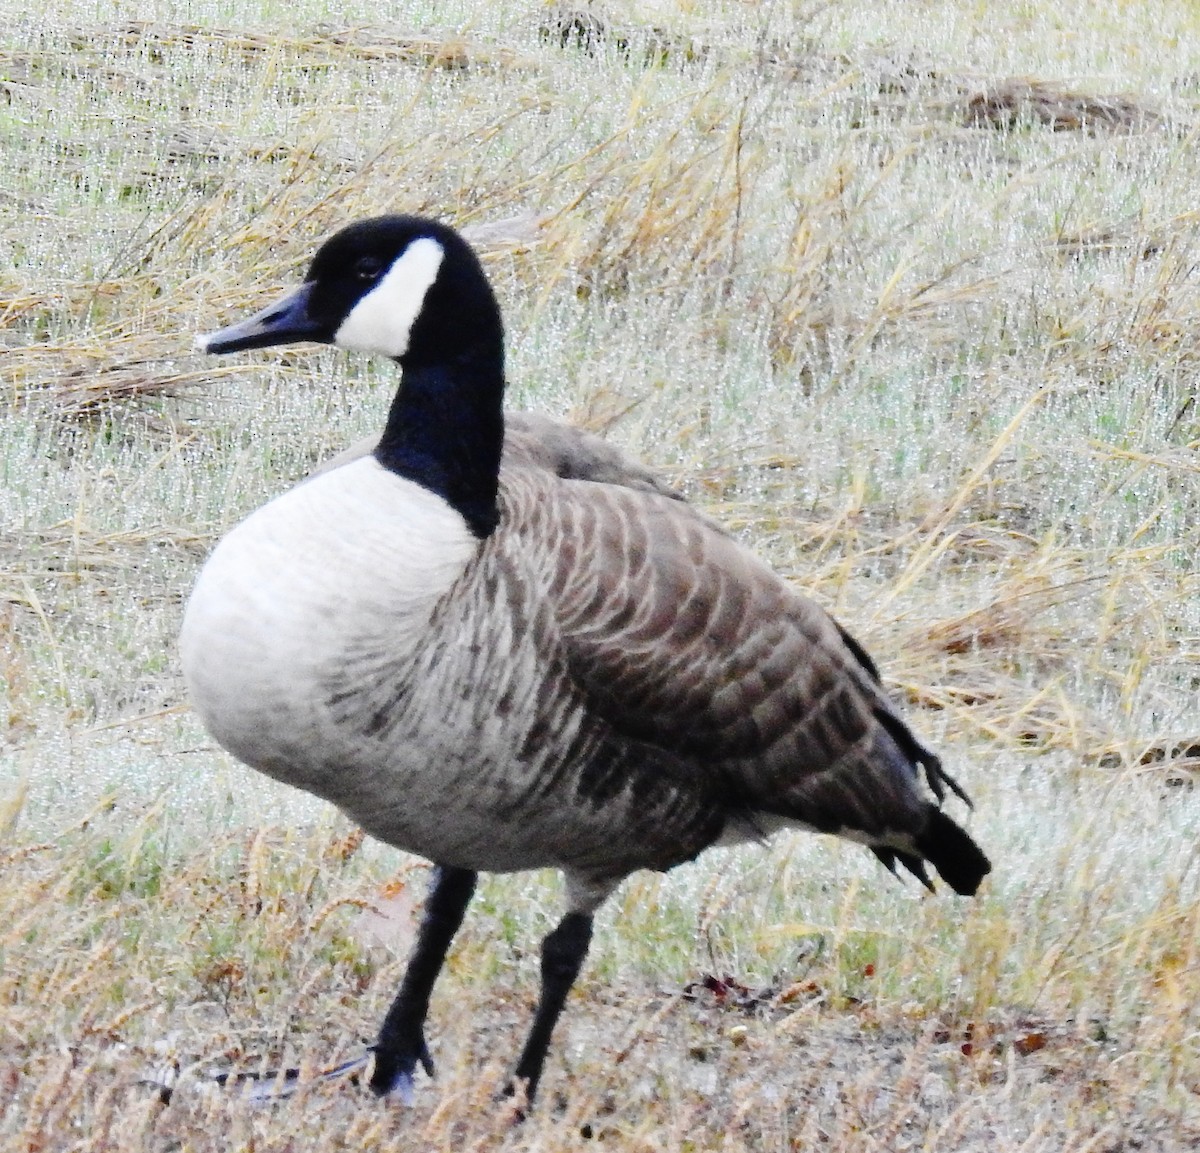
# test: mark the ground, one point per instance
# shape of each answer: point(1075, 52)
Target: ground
point(903, 294)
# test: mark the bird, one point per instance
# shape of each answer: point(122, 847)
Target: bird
point(501, 663)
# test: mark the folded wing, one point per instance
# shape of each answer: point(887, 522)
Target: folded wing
point(680, 638)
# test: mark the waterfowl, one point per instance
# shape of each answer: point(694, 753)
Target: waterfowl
point(502, 668)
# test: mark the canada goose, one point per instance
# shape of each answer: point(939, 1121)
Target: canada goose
point(497, 668)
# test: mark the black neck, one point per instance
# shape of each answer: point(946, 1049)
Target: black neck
point(445, 431)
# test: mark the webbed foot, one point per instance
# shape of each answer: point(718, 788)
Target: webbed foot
point(395, 1064)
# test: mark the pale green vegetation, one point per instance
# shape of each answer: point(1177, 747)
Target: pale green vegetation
point(905, 293)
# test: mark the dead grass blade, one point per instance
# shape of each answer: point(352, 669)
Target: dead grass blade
point(360, 42)
point(1008, 104)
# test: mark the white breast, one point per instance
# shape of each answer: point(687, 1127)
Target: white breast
point(351, 562)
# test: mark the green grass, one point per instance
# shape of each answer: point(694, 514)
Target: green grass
point(903, 293)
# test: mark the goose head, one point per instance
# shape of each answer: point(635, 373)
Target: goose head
point(398, 286)
point(410, 289)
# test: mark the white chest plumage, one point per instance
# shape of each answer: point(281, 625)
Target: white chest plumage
point(345, 568)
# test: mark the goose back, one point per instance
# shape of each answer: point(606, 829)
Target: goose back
point(535, 440)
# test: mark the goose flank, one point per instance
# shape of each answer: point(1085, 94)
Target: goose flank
point(501, 657)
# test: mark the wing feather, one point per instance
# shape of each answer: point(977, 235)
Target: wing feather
point(681, 639)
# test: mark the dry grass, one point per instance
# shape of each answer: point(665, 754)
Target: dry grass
point(178, 956)
point(905, 295)
point(1014, 102)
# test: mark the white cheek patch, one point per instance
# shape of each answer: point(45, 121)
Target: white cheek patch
point(382, 320)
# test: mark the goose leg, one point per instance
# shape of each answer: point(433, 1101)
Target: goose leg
point(401, 1041)
point(563, 951)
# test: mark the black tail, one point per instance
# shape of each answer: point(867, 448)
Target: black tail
point(917, 754)
point(892, 794)
point(959, 861)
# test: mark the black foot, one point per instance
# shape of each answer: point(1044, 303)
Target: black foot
point(515, 1095)
point(563, 952)
point(395, 1065)
point(401, 1045)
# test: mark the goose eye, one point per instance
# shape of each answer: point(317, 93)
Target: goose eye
point(368, 269)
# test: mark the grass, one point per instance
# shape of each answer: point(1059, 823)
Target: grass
point(902, 293)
